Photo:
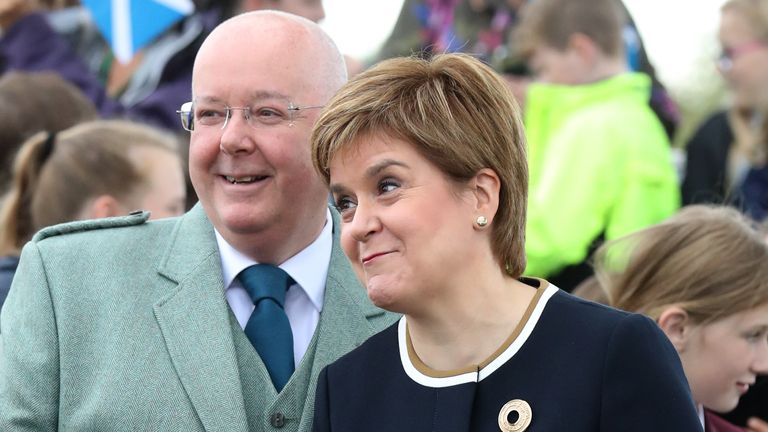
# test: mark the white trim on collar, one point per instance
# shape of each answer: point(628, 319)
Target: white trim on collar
point(485, 372)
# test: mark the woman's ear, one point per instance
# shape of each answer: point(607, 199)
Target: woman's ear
point(676, 324)
point(103, 206)
point(485, 187)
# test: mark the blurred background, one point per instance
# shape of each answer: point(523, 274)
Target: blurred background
point(679, 37)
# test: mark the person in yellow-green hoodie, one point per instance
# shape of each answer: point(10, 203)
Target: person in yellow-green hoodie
point(600, 161)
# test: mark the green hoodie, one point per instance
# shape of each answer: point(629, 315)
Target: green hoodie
point(600, 165)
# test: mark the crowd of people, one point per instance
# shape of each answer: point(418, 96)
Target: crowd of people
point(482, 230)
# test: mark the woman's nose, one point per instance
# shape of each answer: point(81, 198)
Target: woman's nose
point(365, 222)
point(760, 365)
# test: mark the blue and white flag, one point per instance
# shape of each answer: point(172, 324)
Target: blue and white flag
point(129, 25)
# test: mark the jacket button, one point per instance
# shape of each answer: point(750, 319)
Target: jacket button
point(277, 419)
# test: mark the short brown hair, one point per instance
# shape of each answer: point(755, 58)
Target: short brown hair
point(710, 261)
point(457, 113)
point(551, 23)
point(55, 175)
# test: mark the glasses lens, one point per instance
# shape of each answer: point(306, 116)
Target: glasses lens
point(210, 113)
point(724, 62)
point(269, 113)
point(261, 112)
point(185, 114)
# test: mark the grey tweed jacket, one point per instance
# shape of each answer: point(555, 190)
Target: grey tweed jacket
point(122, 325)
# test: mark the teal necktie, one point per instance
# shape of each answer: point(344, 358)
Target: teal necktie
point(268, 328)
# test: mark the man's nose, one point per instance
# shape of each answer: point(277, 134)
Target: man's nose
point(237, 136)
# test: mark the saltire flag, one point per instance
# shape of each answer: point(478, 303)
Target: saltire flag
point(129, 25)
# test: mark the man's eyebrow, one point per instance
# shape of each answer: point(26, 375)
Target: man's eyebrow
point(255, 95)
point(207, 99)
point(264, 94)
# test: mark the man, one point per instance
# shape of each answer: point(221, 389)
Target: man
point(127, 325)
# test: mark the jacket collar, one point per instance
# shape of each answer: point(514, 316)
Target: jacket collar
point(194, 320)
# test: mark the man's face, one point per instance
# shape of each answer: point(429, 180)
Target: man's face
point(256, 181)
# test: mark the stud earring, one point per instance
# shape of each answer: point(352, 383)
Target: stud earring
point(481, 221)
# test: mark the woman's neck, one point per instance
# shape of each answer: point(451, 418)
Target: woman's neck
point(470, 322)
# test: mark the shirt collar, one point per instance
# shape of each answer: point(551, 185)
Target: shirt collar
point(700, 411)
point(309, 267)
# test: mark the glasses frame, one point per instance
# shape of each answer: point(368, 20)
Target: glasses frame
point(729, 55)
point(187, 112)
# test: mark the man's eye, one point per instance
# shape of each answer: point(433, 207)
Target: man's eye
point(209, 113)
point(268, 113)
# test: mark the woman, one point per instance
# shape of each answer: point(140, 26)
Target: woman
point(31, 102)
point(727, 153)
point(703, 277)
point(426, 162)
point(93, 170)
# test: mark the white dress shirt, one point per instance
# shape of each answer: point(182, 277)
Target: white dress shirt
point(304, 299)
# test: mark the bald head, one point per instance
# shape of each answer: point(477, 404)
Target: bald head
point(290, 44)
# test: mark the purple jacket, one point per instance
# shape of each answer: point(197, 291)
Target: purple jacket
point(713, 423)
point(32, 45)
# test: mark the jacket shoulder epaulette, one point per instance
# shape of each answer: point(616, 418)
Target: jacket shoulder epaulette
point(137, 217)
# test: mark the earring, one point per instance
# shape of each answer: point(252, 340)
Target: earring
point(481, 221)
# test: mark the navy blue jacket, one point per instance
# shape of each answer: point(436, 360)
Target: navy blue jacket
point(580, 366)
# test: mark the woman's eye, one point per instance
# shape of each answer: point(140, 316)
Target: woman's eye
point(344, 204)
point(756, 335)
point(388, 185)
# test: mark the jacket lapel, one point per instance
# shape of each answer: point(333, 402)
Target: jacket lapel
point(344, 322)
point(194, 321)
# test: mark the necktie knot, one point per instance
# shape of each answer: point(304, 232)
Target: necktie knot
point(265, 281)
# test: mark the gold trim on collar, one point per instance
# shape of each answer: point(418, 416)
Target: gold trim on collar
point(434, 373)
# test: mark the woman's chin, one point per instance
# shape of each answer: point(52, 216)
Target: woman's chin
point(723, 405)
point(382, 295)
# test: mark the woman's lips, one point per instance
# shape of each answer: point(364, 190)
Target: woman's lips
point(743, 387)
point(371, 257)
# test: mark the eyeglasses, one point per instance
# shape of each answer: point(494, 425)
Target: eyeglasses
point(729, 55)
point(263, 113)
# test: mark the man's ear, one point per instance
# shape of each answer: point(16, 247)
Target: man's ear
point(676, 324)
point(485, 187)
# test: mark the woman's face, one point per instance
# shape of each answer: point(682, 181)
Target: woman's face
point(164, 193)
point(744, 61)
point(405, 226)
point(723, 358)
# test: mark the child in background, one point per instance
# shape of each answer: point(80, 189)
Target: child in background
point(599, 159)
point(702, 276)
point(96, 169)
